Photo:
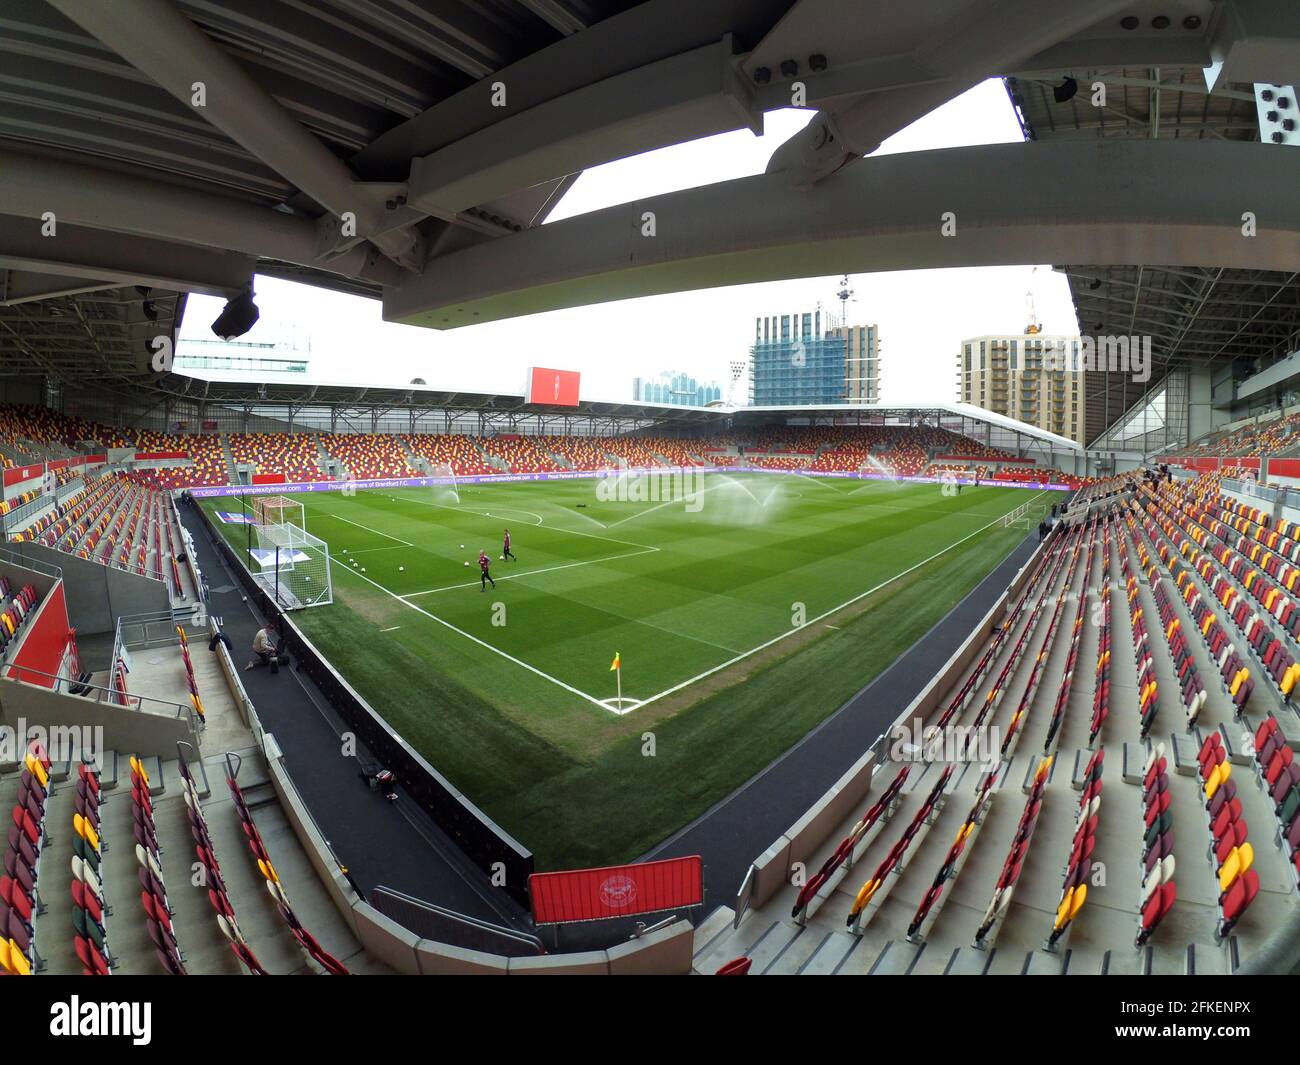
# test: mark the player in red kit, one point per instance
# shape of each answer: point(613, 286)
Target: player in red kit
point(484, 564)
point(505, 546)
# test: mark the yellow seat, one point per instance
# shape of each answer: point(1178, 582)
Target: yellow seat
point(864, 896)
point(1218, 775)
point(13, 960)
point(86, 831)
point(1237, 862)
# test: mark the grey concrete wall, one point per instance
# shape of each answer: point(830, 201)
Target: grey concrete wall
point(1201, 416)
point(124, 728)
point(98, 594)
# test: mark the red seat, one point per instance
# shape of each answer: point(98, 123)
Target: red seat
point(1160, 903)
point(1238, 898)
point(1235, 836)
point(24, 822)
point(86, 899)
point(1155, 809)
point(92, 961)
point(1281, 759)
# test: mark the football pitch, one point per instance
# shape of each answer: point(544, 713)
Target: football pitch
point(744, 610)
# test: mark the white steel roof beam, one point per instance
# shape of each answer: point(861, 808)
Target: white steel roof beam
point(1011, 204)
point(157, 39)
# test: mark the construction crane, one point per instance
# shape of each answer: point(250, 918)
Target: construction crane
point(1033, 327)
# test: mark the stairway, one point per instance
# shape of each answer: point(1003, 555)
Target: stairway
point(492, 460)
point(418, 463)
point(205, 949)
point(323, 459)
point(232, 475)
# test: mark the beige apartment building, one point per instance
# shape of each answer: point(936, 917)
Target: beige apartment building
point(861, 362)
point(1032, 377)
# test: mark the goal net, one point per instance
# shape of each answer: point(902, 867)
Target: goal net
point(278, 510)
point(289, 563)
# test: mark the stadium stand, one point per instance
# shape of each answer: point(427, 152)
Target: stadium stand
point(1280, 436)
point(461, 453)
point(294, 455)
point(368, 456)
point(169, 461)
point(1183, 554)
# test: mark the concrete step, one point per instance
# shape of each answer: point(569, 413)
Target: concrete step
point(899, 958)
point(743, 941)
point(717, 924)
point(833, 952)
point(967, 961)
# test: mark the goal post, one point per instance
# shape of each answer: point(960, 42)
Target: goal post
point(289, 563)
point(278, 510)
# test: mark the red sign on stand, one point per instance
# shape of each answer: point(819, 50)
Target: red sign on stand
point(617, 890)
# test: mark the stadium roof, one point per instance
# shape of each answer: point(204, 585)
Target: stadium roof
point(500, 406)
point(1193, 314)
point(963, 410)
point(414, 149)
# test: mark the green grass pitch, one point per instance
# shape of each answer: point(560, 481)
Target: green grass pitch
point(744, 615)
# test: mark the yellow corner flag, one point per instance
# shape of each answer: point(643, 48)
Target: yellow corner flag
point(615, 664)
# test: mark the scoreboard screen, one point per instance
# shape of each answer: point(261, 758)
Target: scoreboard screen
point(556, 388)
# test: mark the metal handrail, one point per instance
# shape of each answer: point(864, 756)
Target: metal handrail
point(742, 896)
point(137, 702)
point(45, 568)
point(166, 620)
point(381, 894)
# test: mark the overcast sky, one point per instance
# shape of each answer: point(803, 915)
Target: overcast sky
point(922, 314)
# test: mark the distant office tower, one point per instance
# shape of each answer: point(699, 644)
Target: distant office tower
point(1031, 377)
point(813, 358)
point(679, 389)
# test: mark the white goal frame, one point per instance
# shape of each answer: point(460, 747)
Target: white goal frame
point(292, 565)
point(279, 510)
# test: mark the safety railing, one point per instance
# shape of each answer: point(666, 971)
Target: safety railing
point(448, 926)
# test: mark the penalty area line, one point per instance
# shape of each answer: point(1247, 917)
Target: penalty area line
point(822, 616)
point(483, 643)
point(533, 572)
point(330, 514)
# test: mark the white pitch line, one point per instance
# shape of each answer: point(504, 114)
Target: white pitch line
point(531, 572)
point(516, 510)
point(482, 643)
point(392, 628)
point(699, 676)
point(340, 517)
point(659, 506)
point(556, 528)
point(819, 617)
